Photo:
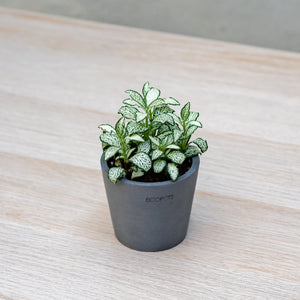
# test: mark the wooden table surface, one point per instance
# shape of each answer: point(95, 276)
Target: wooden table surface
point(59, 79)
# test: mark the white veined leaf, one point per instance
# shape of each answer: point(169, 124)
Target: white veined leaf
point(156, 154)
point(185, 111)
point(130, 151)
point(171, 101)
point(155, 141)
point(163, 128)
point(173, 171)
point(177, 134)
point(130, 102)
point(159, 165)
point(146, 88)
point(191, 130)
point(167, 140)
point(128, 112)
point(176, 118)
point(166, 133)
point(110, 139)
point(191, 151)
point(133, 127)
point(162, 110)
point(157, 102)
point(106, 128)
point(172, 146)
point(144, 147)
point(110, 152)
point(115, 173)
point(140, 116)
point(193, 116)
point(134, 95)
point(152, 95)
point(202, 144)
point(135, 138)
point(176, 157)
point(195, 123)
point(137, 173)
point(120, 125)
point(142, 160)
point(164, 118)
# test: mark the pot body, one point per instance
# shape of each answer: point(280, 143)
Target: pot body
point(151, 216)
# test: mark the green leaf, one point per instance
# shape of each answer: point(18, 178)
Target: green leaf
point(156, 154)
point(191, 130)
point(152, 95)
point(173, 171)
point(195, 123)
point(176, 157)
point(193, 116)
point(176, 135)
point(142, 160)
point(185, 111)
point(157, 102)
point(110, 152)
point(191, 151)
point(110, 139)
point(106, 128)
point(133, 127)
point(171, 101)
point(137, 173)
point(115, 173)
point(130, 102)
point(144, 147)
point(120, 125)
point(159, 165)
point(172, 146)
point(146, 88)
point(155, 141)
point(134, 95)
point(135, 138)
point(164, 118)
point(140, 116)
point(202, 144)
point(128, 112)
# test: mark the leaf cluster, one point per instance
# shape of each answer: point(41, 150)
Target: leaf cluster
point(150, 136)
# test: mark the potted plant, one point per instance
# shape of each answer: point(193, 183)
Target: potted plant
point(150, 166)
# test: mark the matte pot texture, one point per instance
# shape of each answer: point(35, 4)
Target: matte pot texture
point(151, 216)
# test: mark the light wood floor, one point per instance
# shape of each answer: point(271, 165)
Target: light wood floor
point(59, 79)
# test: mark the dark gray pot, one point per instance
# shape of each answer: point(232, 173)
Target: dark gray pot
point(150, 216)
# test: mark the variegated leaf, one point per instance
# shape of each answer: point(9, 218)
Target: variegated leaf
point(146, 88)
point(176, 118)
point(164, 118)
point(156, 154)
point(110, 139)
point(159, 165)
point(173, 171)
point(133, 127)
point(176, 157)
point(191, 151)
point(157, 102)
point(144, 147)
point(120, 126)
point(195, 123)
point(106, 128)
point(130, 151)
point(155, 141)
point(177, 134)
point(135, 138)
point(185, 111)
point(130, 102)
point(152, 95)
point(191, 130)
point(110, 152)
point(134, 95)
point(142, 160)
point(171, 101)
point(116, 173)
point(140, 116)
point(202, 144)
point(163, 110)
point(193, 116)
point(128, 112)
point(137, 173)
point(172, 146)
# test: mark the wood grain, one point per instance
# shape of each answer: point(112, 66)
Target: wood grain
point(60, 78)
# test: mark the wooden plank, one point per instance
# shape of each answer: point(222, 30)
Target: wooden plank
point(60, 78)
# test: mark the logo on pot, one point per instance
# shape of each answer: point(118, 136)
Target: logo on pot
point(159, 199)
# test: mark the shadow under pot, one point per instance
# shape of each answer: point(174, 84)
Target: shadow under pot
point(151, 216)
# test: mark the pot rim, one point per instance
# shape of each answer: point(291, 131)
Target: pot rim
point(194, 168)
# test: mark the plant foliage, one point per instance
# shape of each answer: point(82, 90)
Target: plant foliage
point(150, 136)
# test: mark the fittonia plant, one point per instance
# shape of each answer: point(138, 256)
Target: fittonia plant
point(150, 139)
